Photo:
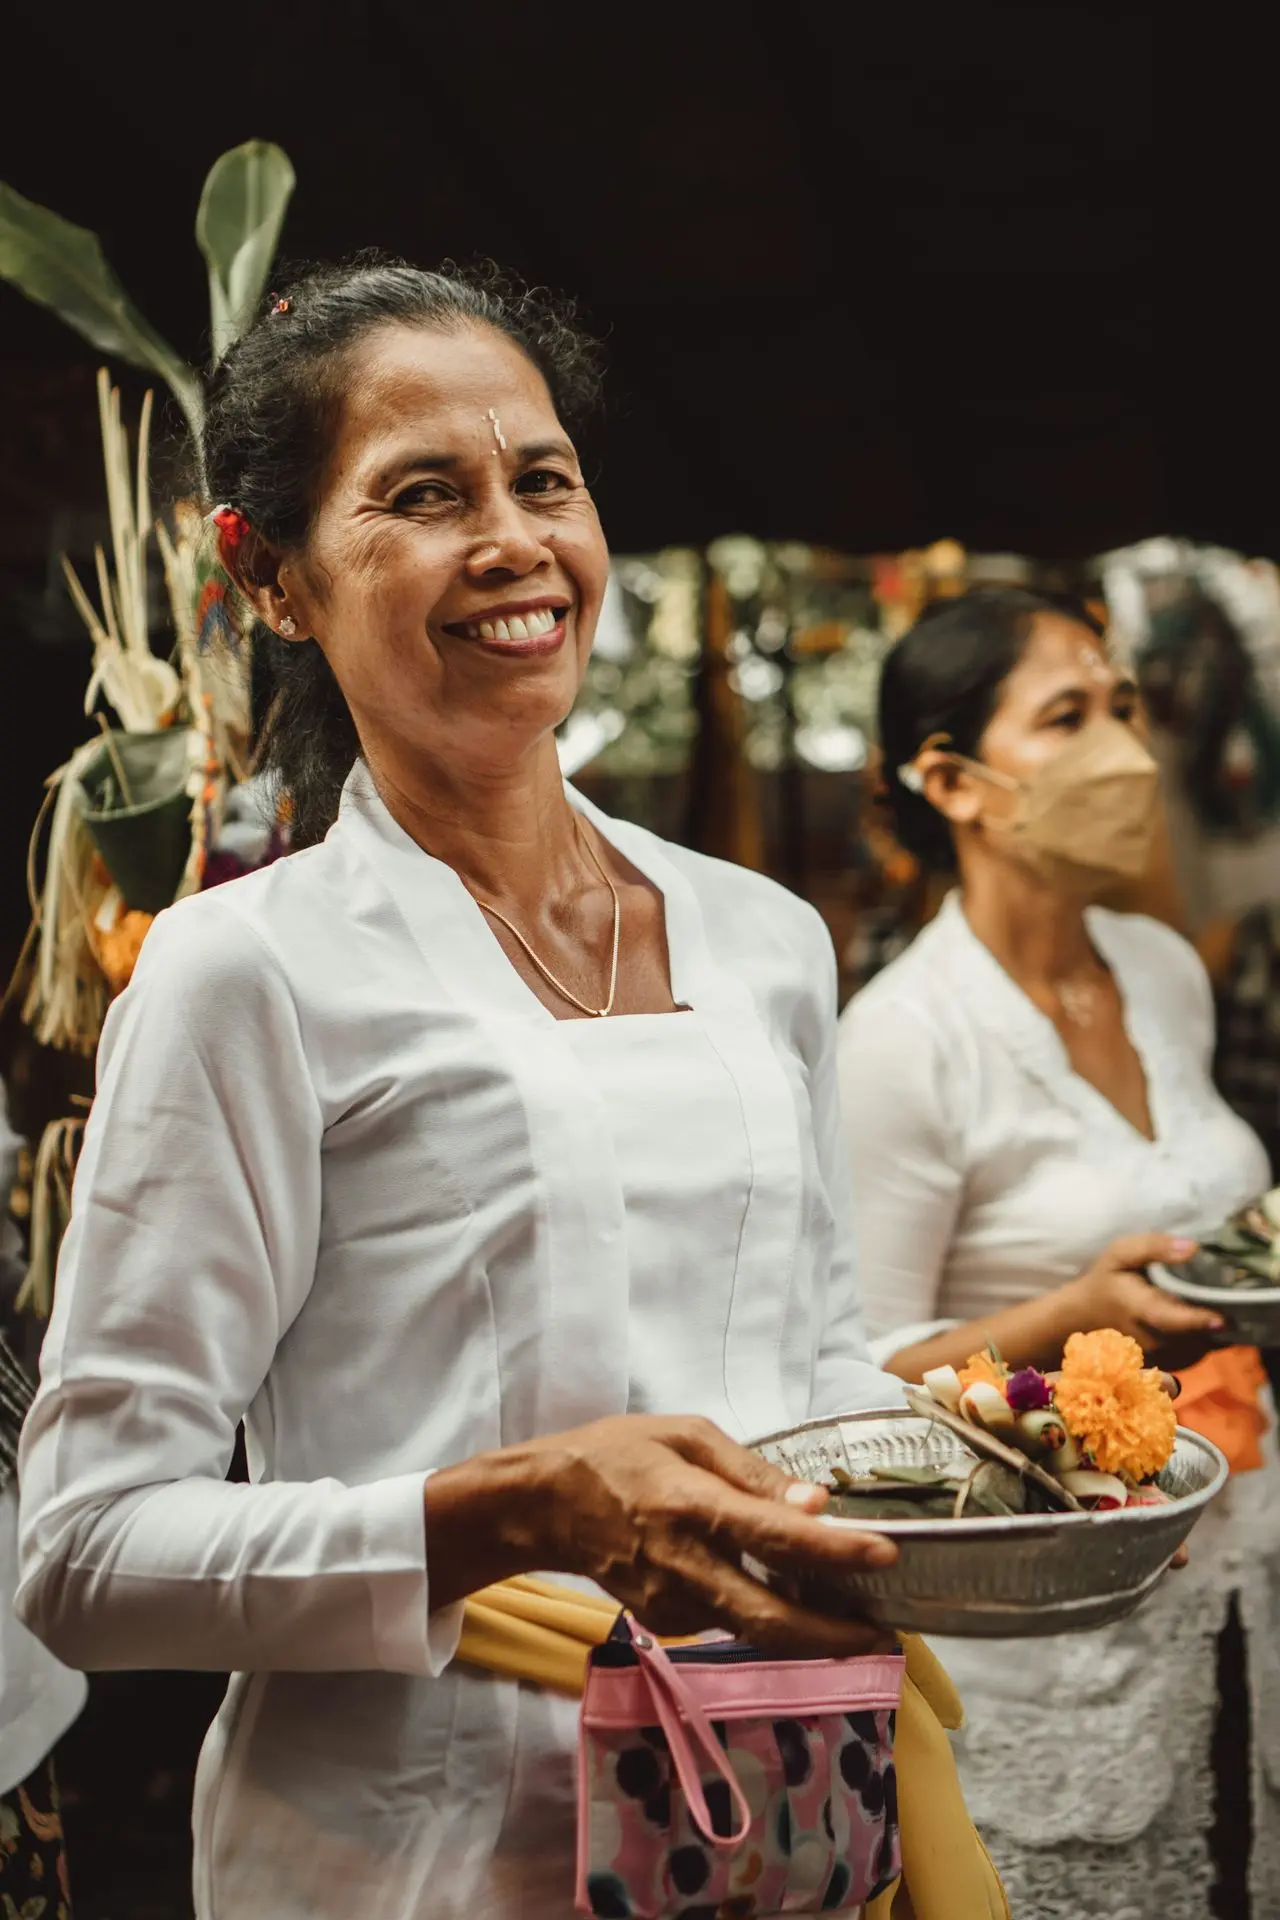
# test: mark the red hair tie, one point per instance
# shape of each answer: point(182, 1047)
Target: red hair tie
point(231, 524)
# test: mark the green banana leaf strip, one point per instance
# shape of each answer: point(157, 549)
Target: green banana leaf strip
point(241, 212)
point(882, 1506)
point(996, 1490)
point(63, 267)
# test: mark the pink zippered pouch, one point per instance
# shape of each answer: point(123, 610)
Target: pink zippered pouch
point(710, 1773)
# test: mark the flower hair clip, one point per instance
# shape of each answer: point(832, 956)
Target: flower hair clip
point(231, 524)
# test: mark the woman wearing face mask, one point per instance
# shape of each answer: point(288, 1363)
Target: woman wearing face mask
point(1032, 1122)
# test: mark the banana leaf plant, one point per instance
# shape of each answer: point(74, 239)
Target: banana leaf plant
point(130, 813)
point(238, 224)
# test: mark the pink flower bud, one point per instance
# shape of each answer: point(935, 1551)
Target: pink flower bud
point(1027, 1390)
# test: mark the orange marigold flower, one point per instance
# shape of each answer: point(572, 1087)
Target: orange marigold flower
point(1125, 1424)
point(980, 1366)
point(117, 948)
point(1102, 1355)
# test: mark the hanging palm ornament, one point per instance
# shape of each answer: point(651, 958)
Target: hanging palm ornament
point(132, 821)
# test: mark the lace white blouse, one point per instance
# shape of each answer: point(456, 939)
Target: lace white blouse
point(347, 1177)
point(987, 1171)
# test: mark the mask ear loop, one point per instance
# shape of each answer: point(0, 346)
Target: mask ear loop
point(909, 772)
point(913, 779)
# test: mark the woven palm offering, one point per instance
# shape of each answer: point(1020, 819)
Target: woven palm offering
point(1236, 1269)
point(1021, 1503)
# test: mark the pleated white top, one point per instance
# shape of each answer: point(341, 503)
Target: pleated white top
point(347, 1177)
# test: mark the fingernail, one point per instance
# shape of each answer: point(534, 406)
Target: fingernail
point(881, 1553)
point(1216, 1320)
point(802, 1493)
point(1182, 1248)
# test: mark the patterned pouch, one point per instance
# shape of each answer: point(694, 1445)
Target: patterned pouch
point(713, 1781)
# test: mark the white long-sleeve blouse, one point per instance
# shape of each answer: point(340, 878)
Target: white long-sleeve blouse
point(985, 1171)
point(346, 1177)
point(985, 1168)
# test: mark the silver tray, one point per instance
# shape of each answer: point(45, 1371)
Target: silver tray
point(1014, 1578)
point(1252, 1314)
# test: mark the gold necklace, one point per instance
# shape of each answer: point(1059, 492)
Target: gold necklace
point(594, 1013)
point(1078, 1002)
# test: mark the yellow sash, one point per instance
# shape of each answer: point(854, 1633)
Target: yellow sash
point(536, 1631)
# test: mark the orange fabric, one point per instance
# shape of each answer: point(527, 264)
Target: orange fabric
point(1219, 1399)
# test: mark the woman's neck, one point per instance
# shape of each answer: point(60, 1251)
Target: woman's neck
point(508, 831)
point(1038, 934)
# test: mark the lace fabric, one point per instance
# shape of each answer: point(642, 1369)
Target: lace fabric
point(1086, 1760)
point(1165, 1874)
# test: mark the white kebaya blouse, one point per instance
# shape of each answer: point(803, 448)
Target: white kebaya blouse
point(346, 1177)
point(986, 1171)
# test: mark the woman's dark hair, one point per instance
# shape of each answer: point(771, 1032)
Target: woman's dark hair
point(945, 676)
point(272, 410)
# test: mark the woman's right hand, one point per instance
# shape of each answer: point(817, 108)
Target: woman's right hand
point(1115, 1292)
point(659, 1511)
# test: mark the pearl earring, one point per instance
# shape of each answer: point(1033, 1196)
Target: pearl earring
point(288, 626)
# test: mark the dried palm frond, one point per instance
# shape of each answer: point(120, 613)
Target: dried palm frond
point(67, 995)
point(143, 689)
point(55, 1167)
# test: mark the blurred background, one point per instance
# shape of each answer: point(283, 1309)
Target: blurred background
point(895, 301)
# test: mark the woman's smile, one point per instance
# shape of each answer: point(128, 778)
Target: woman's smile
point(521, 629)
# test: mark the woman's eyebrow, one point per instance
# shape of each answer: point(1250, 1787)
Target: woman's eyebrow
point(546, 450)
point(1125, 686)
point(412, 463)
point(417, 462)
point(1073, 692)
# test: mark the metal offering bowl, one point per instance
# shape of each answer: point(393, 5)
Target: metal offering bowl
point(1015, 1578)
point(1252, 1313)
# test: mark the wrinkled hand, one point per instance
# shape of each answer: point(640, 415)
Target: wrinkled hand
point(1115, 1292)
point(659, 1511)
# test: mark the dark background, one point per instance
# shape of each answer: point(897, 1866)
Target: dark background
point(867, 276)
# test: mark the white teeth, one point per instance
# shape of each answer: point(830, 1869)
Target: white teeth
point(528, 626)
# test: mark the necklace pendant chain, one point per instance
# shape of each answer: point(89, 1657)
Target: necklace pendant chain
point(553, 980)
point(1078, 1003)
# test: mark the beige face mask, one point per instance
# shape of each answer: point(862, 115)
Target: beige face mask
point(1086, 817)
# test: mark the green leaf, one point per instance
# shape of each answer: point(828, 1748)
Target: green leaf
point(238, 224)
point(63, 267)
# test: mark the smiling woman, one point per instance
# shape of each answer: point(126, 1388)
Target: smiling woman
point(500, 1191)
point(388, 382)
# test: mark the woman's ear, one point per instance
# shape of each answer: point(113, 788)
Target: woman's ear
point(254, 566)
point(948, 787)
